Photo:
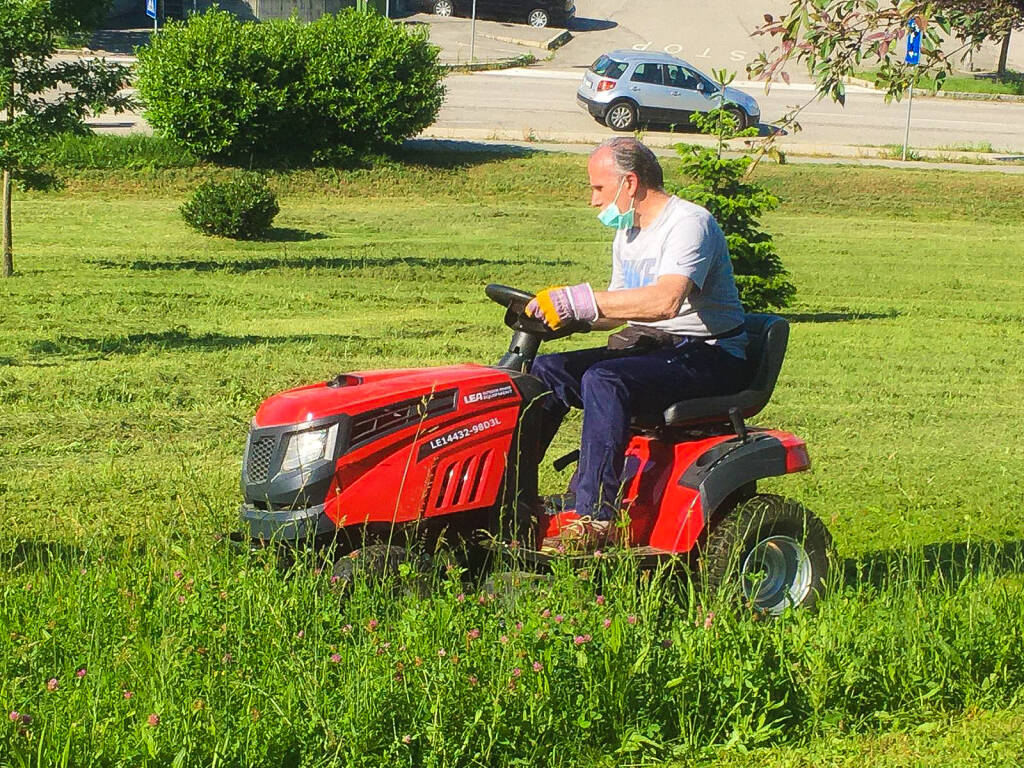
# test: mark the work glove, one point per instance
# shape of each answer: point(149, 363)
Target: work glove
point(559, 305)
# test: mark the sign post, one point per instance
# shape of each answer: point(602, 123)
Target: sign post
point(472, 34)
point(152, 13)
point(913, 58)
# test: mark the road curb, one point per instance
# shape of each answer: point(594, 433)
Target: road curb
point(550, 44)
point(489, 66)
point(963, 96)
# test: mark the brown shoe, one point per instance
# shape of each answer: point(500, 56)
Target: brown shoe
point(579, 535)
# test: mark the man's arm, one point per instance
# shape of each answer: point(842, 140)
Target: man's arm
point(660, 301)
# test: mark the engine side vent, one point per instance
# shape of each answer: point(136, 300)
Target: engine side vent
point(380, 421)
point(261, 451)
point(460, 483)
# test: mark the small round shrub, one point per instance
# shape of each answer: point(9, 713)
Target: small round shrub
point(243, 208)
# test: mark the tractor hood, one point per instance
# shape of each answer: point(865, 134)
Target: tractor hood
point(360, 391)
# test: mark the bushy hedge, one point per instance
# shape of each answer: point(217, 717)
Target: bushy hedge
point(243, 208)
point(349, 82)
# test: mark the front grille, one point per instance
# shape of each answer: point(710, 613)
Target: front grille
point(260, 453)
point(372, 424)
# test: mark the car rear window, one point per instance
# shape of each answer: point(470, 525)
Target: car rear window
point(608, 67)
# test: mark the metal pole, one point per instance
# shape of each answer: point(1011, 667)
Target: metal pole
point(472, 35)
point(910, 106)
point(387, 9)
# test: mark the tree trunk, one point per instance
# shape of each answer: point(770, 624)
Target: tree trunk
point(1003, 52)
point(5, 236)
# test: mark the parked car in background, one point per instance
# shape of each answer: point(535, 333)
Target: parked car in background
point(624, 89)
point(536, 13)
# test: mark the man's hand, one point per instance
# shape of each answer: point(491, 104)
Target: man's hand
point(557, 306)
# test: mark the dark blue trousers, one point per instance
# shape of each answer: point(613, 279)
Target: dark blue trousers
point(612, 385)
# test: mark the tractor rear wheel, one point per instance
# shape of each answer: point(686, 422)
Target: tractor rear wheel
point(771, 552)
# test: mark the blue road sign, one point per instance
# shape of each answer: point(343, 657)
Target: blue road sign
point(913, 56)
point(150, 8)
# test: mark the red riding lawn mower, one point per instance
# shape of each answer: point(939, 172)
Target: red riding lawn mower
point(388, 460)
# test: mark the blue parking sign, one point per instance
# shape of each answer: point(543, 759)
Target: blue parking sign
point(150, 8)
point(913, 56)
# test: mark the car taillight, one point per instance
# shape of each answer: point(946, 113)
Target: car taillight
point(605, 85)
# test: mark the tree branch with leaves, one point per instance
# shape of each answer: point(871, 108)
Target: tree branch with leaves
point(836, 39)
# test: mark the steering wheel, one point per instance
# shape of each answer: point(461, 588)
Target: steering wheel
point(515, 300)
point(510, 298)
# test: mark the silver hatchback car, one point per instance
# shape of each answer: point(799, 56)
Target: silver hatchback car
point(624, 89)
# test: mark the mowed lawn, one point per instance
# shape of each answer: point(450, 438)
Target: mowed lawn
point(134, 351)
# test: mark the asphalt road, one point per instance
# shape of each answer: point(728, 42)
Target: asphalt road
point(540, 104)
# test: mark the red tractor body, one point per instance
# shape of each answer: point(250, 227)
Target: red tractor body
point(454, 450)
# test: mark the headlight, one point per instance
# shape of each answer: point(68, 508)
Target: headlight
point(307, 448)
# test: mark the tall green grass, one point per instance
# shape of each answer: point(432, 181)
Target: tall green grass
point(244, 663)
point(133, 353)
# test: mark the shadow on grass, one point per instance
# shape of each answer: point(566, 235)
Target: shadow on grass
point(315, 262)
point(175, 338)
point(426, 154)
point(953, 561)
point(181, 338)
point(447, 154)
point(31, 554)
point(290, 235)
point(838, 317)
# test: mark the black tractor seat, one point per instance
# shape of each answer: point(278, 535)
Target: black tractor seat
point(766, 348)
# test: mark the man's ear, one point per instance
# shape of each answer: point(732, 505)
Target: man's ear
point(632, 184)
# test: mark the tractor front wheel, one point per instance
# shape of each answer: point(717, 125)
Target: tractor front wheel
point(381, 566)
point(772, 551)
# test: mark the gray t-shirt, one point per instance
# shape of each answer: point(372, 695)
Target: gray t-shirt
point(684, 240)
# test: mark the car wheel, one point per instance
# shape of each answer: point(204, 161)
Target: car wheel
point(538, 17)
point(443, 8)
point(739, 116)
point(771, 552)
point(621, 116)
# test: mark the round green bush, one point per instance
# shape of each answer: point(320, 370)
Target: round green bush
point(352, 82)
point(243, 208)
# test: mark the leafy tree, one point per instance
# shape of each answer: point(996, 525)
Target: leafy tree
point(837, 38)
point(980, 20)
point(722, 186)
point(40, 97)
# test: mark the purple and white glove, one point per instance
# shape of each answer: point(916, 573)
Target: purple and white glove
point(557, 306)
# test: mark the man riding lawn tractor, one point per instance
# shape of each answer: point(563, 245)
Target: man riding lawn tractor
point(393, 464)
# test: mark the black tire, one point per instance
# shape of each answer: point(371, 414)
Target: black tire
point(443, 8)
point(621, 116)
point(739, 116)
point(379, 564)
point(538, 17)
point(771, 552)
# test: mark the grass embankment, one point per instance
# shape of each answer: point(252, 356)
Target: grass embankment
point(1011, 84)
point(134, 352)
